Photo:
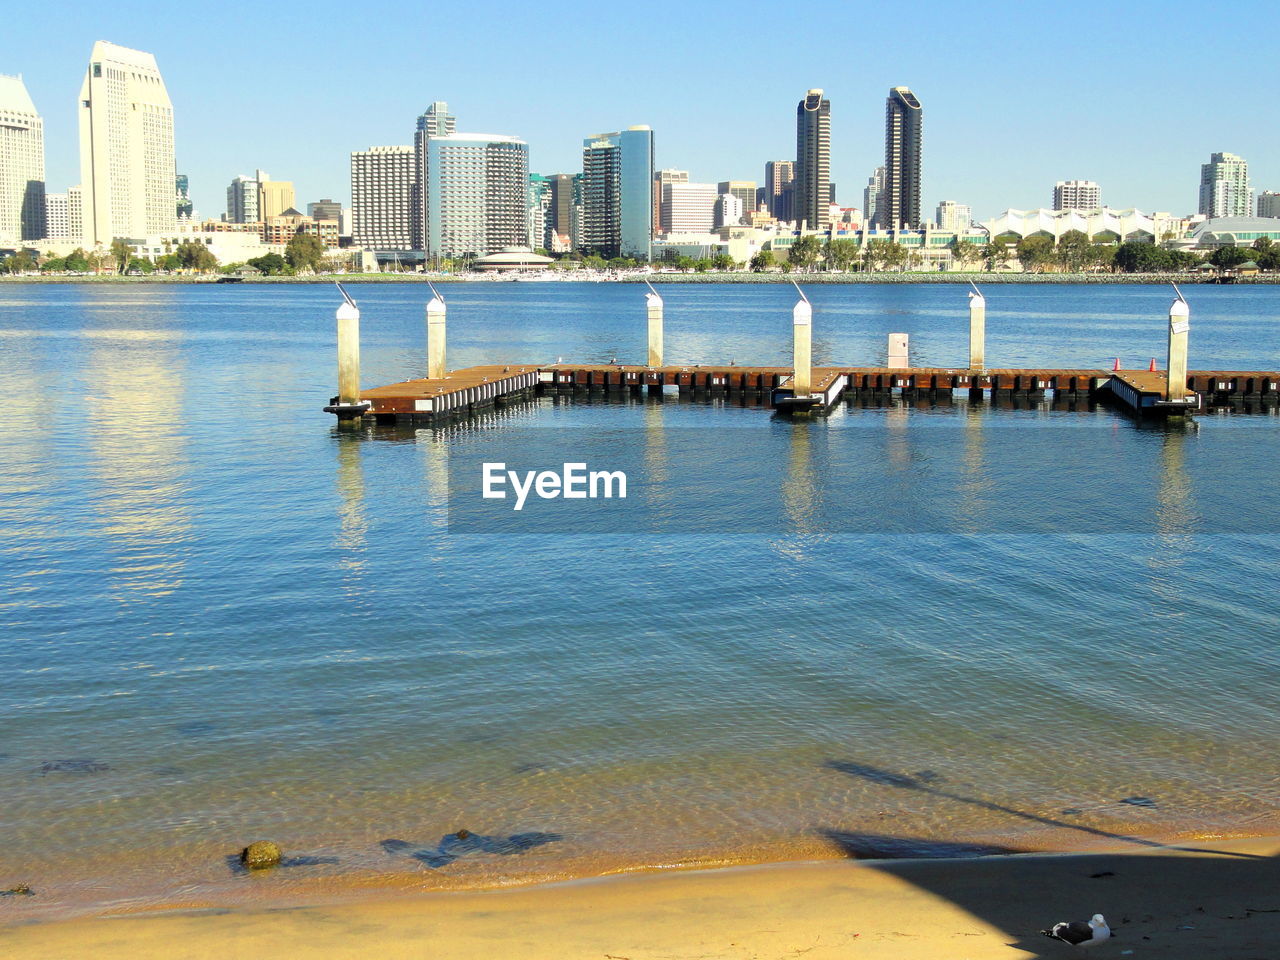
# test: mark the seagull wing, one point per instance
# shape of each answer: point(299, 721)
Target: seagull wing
point(1075, 932)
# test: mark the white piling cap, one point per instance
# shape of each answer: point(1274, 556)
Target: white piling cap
point(348, 311)
point(1180, 308)
point(435, 305)
point(653, 300)
point(976, 298)
point(802, 313)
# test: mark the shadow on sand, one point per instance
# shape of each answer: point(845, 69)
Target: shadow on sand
point(1153, 902)
point(453, 846)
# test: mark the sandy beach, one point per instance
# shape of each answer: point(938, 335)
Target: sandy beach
point(1195, 901)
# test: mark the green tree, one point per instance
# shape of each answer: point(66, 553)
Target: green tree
point(196, 256)
point(122, 253)
point(805, 251)
point(593, 262)
point(841, 253)
point(54, 265)
point(684, 263)
point(1035, 253)
point(762, 261)
point(702, 264)
point(305, 251)
point(1270, 260)
point(1263, 244)
point(139, 265)
point(722, 261)
point(167, 262)
point(269, 264)
point(1073, 250)
point(1225, 257)
point(1135, 256)
point(965, 252)
point(996, 253)
point(1101, 256)
point(883, 254)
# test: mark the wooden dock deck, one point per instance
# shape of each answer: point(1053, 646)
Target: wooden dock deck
point(467, 391)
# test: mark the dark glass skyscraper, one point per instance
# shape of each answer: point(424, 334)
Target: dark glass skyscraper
point(903, 139)
point(813, 161)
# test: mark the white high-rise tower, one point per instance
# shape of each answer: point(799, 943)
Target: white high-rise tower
point(21, 164)
point(126, 146)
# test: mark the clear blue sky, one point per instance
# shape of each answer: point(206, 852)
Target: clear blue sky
point(1135, 95)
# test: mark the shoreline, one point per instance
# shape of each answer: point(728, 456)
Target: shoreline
point(1190, 900)
point(1089, 279)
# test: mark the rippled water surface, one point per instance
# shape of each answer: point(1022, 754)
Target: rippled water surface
point(223, 619)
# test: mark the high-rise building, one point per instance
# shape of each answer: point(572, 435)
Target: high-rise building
point(435, 121)
point(744, 190)
point(779, 188)
point(242, 200)
point(126, 146)
point(903, 141)
point(539, 210)
point(22, 212)
point(813, 161)
point(661, 179)
point(617, 193)
point(382, 198)
point(954, 217)
point(325, 210)
point(1076, 195)
point(477, 194)
point(1269, 204)
point(274, 196)
point(566, 189)
point(57, 217)
point(873, 196)
point(1224, 187)
point(728, 210)
point(688, 207)
point(75, 213)
point(182, 190)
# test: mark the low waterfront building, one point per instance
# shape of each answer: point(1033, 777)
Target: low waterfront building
point(1101, 225)
point(1233, 232)
point(512, 261)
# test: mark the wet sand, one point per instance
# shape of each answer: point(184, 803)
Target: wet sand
point(1194, 901)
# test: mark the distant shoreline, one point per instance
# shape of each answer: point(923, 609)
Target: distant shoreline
point(786, 278)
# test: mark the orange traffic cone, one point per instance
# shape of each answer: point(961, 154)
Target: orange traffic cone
point(1117, 366)
point(1152, 368)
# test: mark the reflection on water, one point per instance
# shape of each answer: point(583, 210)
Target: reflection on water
point(975, 479)
point(138, 445)
point(353, 525)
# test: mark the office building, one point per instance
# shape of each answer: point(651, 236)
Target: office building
point(477, 194)
point(566, 192)
point(813, 161)
point(75, 213)
point(1076, 195)
point(382, 198)
point(688, 207)
point(435, 121)
point(57, 217)
point(126, 146)
point(873, 196)
point(22, 201)
point(325, 210)
point(274, 196)
point(903, 142)
point(779, 188)
point(283, 227)
point(1224, 187)
point(660, 179)
point(728, 211)
point(953, 217)
point(182, 192)
point(744, 190)
point(539, 210)
point(1269, 204)
point(242, 200)
point(617, 193)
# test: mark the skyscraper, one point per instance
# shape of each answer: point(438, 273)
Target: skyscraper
point(1076, 195)
point(436, 121)
point(182, 190)
point(22, 214)
point(779, 188)
point(1269, 204)
point(954, 217)
point(688, 207)
point(903, 139)
point(566, 190)
point(617, 193)
point(744, 190)
point(1224, 187)
point(813, 161)
point(873, 197)
point(126, 146)
point(325, 209)
point(57, 217)
point(661, 179)
point(382, 198)
point(477, 194)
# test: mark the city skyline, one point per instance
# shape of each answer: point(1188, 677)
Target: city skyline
point(1147, 159)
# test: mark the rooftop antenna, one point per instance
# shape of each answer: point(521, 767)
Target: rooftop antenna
point(343, 290)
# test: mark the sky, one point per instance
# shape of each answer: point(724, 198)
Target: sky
point(1016, 96)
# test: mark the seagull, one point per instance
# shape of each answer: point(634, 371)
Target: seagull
point(1080, 934)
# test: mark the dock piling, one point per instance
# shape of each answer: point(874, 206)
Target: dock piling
point(1179, 326)
point(435, 336)
point(977, 329)
point(654, 304)
point(348, 317)
point(802, 346)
